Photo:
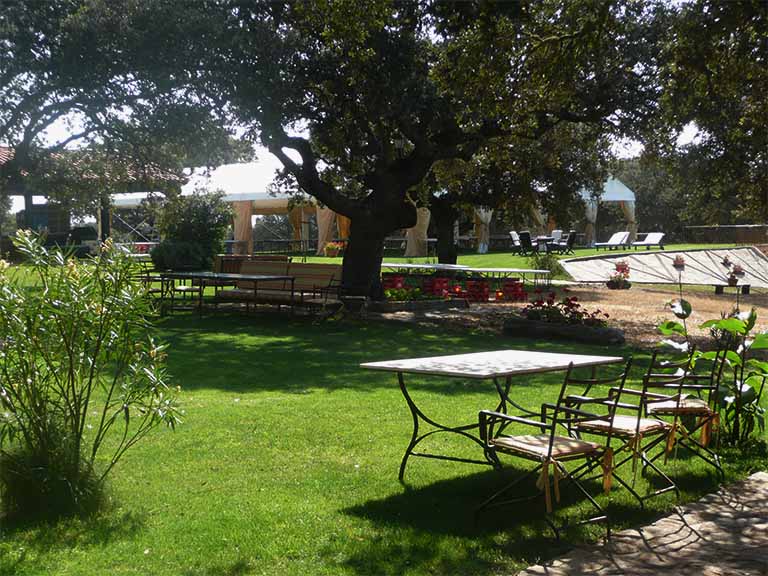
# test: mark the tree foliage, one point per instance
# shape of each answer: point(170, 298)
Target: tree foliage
point(714, 73)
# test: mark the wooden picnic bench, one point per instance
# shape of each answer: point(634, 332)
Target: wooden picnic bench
point(315, 286)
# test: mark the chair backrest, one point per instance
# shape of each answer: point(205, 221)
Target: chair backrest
point(573, 409)
point(666, 378)
point(525, 241)
point(571, 240)
point(556, 235)
point(653, 238)
point(705, 376)
point(618, 238)
point(515, 238)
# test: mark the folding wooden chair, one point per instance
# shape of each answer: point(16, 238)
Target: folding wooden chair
point(550, 450)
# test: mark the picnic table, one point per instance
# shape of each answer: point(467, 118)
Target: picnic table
point(216, 279)
point(500, 366)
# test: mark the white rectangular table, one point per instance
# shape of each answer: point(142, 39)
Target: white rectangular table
point(495, 365)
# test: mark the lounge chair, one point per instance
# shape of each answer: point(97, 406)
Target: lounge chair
point(618, 240)
point(651, 239)
point(557, 235)
point(515, 241)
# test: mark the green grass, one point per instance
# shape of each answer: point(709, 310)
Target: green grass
point(287, 464)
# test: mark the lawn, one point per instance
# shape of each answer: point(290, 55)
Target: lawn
point(287, 463)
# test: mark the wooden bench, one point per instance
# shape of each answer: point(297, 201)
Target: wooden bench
point(314, 285)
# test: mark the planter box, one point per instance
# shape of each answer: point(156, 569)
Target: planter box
point(522, 328)
point(416, 305)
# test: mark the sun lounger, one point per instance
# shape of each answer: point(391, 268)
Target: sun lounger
point(618, 240)
point(651, 239)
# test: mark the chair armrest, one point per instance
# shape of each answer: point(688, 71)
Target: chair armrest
point(488, 418)
point(568, 410)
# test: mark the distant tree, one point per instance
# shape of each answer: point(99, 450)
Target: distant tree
point(714, 73)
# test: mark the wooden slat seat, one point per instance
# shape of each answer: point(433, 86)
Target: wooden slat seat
point(537, 445)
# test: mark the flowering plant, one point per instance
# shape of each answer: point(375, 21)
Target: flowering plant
point(566, 311)
point(620, 275)
point(737, 270)
point(726, 262)
point(333, 248)
point(679, 262)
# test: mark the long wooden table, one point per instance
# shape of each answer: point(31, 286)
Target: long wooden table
point(499, 366)
point(218, 279)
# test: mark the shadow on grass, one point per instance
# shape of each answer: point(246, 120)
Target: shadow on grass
point(272, 351)
point(67, 534)
point(419, 525)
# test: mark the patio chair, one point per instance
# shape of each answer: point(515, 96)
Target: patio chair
point(516, 247)
point(526, 245)
point(651, 239)
point(692, 407)
point(635, 433)
point(565, 245)
point(618, 240)
point(550, 450)
point(556, 235)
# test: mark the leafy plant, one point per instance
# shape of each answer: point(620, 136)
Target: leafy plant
point(743, 379)
point(567, 311)
point(546, 261)
point(200, 220)
point(79, 375)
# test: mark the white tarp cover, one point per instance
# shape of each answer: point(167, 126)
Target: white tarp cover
point(614, 190)
point(703, 267)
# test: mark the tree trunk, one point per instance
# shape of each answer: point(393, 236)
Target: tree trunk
point(361, 274)
point(445, 215)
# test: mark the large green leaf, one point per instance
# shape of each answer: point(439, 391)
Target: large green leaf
point(681, 308)
point(760, 342)
point(757, 365)
point(732, 325)
point(671, 327)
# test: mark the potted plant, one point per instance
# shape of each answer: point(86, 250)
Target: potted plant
point(726, 262)
point(679, 263)
point(733, 280)
point(618, 280)
point(332, 249)
point(737, 271)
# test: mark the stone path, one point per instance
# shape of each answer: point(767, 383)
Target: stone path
point(725, 533)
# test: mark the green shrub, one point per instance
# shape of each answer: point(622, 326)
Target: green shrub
point(78, 366)
point(174, 255)
point(200, 220)
point(546, 261)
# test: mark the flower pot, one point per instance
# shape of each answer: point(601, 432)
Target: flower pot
point(613, 285)
point(332, 252)
point(732, 281)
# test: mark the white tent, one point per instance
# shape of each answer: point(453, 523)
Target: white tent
point(614, 190)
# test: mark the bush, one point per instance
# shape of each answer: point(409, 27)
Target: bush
point(200, 220)
point(78, 366)
point(546, 261)
point(173, 255)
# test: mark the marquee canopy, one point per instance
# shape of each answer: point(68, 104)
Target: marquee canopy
point(614, 190)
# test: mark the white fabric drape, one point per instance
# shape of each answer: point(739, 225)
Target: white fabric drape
point(243, 227)
point(591, 214)
point(416, 237)
point(325, 220)
point(482, 228)
point(540, 223)
point(628, 207)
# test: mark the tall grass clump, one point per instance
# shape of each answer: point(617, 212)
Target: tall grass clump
point(81, 379)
